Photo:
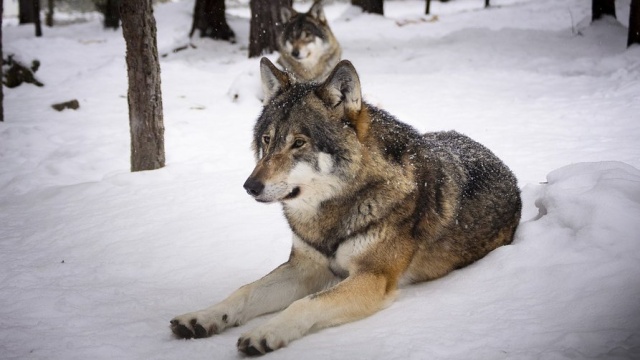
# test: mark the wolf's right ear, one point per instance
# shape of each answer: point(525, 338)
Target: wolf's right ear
point(273, 80)
point(286, 13)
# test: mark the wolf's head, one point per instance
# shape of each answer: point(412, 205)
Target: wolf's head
point(306, 36)
point(307, 139)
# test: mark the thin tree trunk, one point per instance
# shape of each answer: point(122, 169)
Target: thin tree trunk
point(634, 23)
point(428, 8)
point(36, 10)
point(144, 96)
point(49, 19)
point(599, 8)
point(486, 3)
point(265, 25)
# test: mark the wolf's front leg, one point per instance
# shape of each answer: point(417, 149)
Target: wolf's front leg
point(356, 297)
point(302, 275)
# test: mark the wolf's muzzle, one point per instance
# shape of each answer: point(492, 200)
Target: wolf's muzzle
point(253, 187)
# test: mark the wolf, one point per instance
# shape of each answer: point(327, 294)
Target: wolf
point(306, 44)
point(372, 205)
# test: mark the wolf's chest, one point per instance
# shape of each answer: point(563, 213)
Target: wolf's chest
point(346, 258)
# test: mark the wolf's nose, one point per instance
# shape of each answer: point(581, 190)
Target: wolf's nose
point(295, 53)
point(253, 187)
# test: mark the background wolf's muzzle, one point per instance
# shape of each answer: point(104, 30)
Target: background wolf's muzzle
point(253, 186)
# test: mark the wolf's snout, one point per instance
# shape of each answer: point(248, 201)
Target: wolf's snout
point(253, 186)
point(295, 53)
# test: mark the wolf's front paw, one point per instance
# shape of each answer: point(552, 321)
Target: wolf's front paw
point(197, 325)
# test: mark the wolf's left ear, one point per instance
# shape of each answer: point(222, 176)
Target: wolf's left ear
point(342, 88)
point(273, 80)
point(341, 92)
point(317, 11)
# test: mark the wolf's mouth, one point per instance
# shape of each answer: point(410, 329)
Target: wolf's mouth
point(293, 194)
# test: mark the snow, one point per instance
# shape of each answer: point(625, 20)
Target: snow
point(96, 260)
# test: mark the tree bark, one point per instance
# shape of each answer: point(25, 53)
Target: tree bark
point(634, 23)
point(599, 8)
point(265, 26)
point(144, 96)
point(486, 3)
point(210, 19)
point(370, 6)
point(427, 9)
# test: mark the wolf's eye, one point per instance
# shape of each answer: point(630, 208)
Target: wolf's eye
point(266, 139)
point(298, 143)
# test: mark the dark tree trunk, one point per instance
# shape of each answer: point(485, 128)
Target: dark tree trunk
point(111, 14)
point(1, 62)
point(486, 3)
point(599, 8)
point(370, 6)
point(36, 10)
point(634, 23)
point(428, 7)
point(266, 25)
point(209, 18)
point(49, 19)
point(26, 11)
point(144, 96)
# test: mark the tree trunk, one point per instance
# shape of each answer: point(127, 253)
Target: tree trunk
point(486, 3)
point(428, 8)
point(26, 12)
point(265, 25)
point(144, 96)
point(36, 10)
point(1, 62)
point(599, 8)
point(49, 19)
point(634, 23)
point(111, 14)
point(370, 6)
point(209, 18)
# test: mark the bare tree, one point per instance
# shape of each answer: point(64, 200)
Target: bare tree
point(210, 19)
point(266, 24)
point(144, 96)
point(599, 8)
point(370, 6)
point(634, 23)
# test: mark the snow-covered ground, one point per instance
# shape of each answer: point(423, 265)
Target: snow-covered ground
point(95, 260)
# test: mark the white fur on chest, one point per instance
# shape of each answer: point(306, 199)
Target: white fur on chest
point(344, 261)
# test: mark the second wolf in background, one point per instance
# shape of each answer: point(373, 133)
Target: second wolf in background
point(307, 47)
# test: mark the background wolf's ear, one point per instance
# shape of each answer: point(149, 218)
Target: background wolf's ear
point(273, 80)
point(317, 11)
point(342, 88)
point(286, 13)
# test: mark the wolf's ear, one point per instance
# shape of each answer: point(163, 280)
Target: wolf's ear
point(341, 92)
point(273, 80)
point(342, 88)
point(286, 13)
point(317, 11)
